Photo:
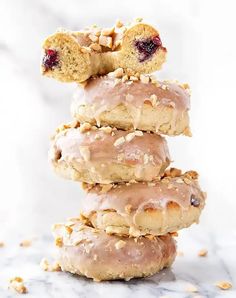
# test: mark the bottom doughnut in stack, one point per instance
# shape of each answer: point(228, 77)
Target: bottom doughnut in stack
point(90, 252)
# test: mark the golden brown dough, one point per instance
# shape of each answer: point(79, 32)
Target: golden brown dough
point(75, 56)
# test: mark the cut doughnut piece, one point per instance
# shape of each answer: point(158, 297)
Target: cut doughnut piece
point(89, 252)
point(155, 208)
point(137, 102)
point(75, 56)
point(105, 155)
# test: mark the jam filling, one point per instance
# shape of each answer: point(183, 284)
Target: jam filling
point(50, 59)
point(194, 201)
point(147, 47)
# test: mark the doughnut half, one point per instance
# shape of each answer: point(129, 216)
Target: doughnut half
point(89, 252)
point(135, 209)
point(75, 56)
point(105, 155)
point(134, 103)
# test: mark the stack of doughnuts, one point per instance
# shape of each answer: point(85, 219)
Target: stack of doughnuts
point(115, 146)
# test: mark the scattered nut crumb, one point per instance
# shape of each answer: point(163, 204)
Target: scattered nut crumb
point(138, 133)
point(85, 152)
point(105, 41)
point(86, 50)
point(44, 264)
point(119, 141)
point(119, 24)
point(85, 127)
point(17, 284)
point(59, 241)
point(128, 208)
point(95, 47)
point(144, 79)
point(106, 129)
point(138, 20)
point(202, 253)
point(105, 187)
point(187, 181)
point(120, 244)
point(224, 285)
point(25, 243)
point(68, 229)
point(130, 136)
point(107, 31)
point(191, 288)
point(133, 78)
point(93, 37)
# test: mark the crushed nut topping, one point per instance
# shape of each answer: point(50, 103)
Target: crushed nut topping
point(85, 152)
point(108, 31)
point(224, 285)
point(106, 129)
point(130, 136)
point(119, 141)
point(105, 187)
point(187, 181)
point(128, 208)
point(17, 284)
point(46, 266)
point(120, 244)
point(105, 41)
point(144, 79)
point(96, 47)
point(86, 50)
point(202, 253)
point(119, 24)
point(85, 127)
point(59, 241)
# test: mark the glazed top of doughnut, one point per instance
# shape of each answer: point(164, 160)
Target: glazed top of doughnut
point(95, 246)
point(107, 92)
point(137, 197)
point(106, 145)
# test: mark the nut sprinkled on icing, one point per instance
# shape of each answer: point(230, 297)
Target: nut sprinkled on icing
point(85, 127)
point(120, 244)
point(119, 141)
point(119, 24)
point(85, 152)
point(144, 79)
point(59, 241)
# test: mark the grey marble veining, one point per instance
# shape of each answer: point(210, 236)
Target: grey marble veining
point(188, 269)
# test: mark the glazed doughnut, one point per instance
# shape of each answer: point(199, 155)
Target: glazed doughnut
point(105, 155)
point(75, 56)
point(89, 252)
point(138, 102)
point(155, 208)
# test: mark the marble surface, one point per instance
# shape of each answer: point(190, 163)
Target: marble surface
point(188, 270)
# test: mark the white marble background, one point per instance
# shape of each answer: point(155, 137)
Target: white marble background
point(202, 51)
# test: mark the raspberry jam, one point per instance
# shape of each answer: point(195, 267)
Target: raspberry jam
point(147, 47)
point(50, 59)
point(194, 201)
